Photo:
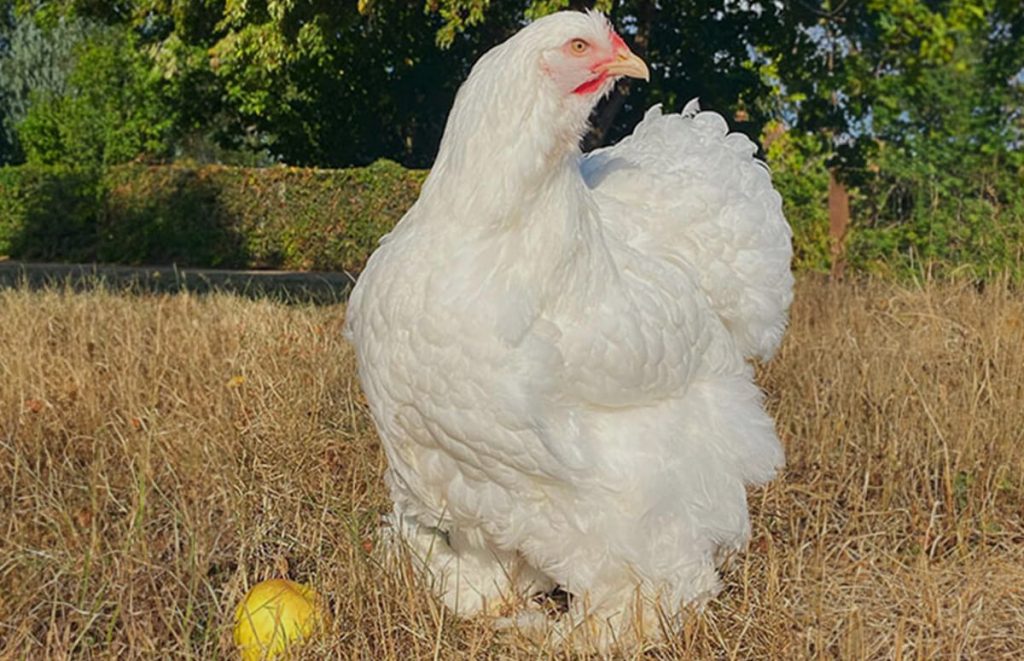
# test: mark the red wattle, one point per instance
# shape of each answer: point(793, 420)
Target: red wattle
point(591, 85)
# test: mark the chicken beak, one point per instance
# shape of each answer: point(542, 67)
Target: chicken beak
point(627, 64)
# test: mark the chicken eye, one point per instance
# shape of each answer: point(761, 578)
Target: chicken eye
point(578, 46)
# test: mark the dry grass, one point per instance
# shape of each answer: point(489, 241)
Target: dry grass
point(158, 454)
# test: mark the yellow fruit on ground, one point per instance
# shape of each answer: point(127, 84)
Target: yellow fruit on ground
point(274, 615)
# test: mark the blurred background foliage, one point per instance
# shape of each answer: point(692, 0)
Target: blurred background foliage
point(912, 108)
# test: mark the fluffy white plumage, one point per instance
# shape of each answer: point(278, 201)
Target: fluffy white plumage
point(554, 346)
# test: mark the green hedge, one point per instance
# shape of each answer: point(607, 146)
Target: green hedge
point(305, 219)
point(48, 213)
point(288, 218)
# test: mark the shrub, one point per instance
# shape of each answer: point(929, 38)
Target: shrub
point(963, 213)
point(905, 223)
point(112, 111)
point(48, 213)
point(291, 218)
point(799, 171)
point(288, 218)
point(941, 206)
point(34, 61)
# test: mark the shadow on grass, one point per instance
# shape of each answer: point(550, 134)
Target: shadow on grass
point(320, 288)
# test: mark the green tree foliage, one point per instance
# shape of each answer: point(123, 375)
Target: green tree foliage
point(948, 175)
point(915, 104)
point(327, 86)
point(711, 49)
point(920, 103)
point(310, 83)
point(799, 168)
point(34, 60)
point(111, 112)
point(849, 70)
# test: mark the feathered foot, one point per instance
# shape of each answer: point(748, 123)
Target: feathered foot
point(469, 576)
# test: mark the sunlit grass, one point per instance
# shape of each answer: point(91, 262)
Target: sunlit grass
point(159, 454)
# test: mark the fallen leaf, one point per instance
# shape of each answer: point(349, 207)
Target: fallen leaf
point(84, 517)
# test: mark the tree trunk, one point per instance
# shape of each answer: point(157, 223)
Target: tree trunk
point(838, 223)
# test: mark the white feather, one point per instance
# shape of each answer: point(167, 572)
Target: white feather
point(553, 347)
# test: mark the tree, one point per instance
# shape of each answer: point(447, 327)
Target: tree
point(905, 95)
point(711, 49)
point(111, 110)
point(313, 83)
point(344, 83)
point(33, 61)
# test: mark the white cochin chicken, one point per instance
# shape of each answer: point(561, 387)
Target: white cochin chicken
point(554, 345)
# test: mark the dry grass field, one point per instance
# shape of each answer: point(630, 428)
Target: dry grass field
point(159, 454)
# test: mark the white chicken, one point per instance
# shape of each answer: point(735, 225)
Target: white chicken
point(554, 346)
